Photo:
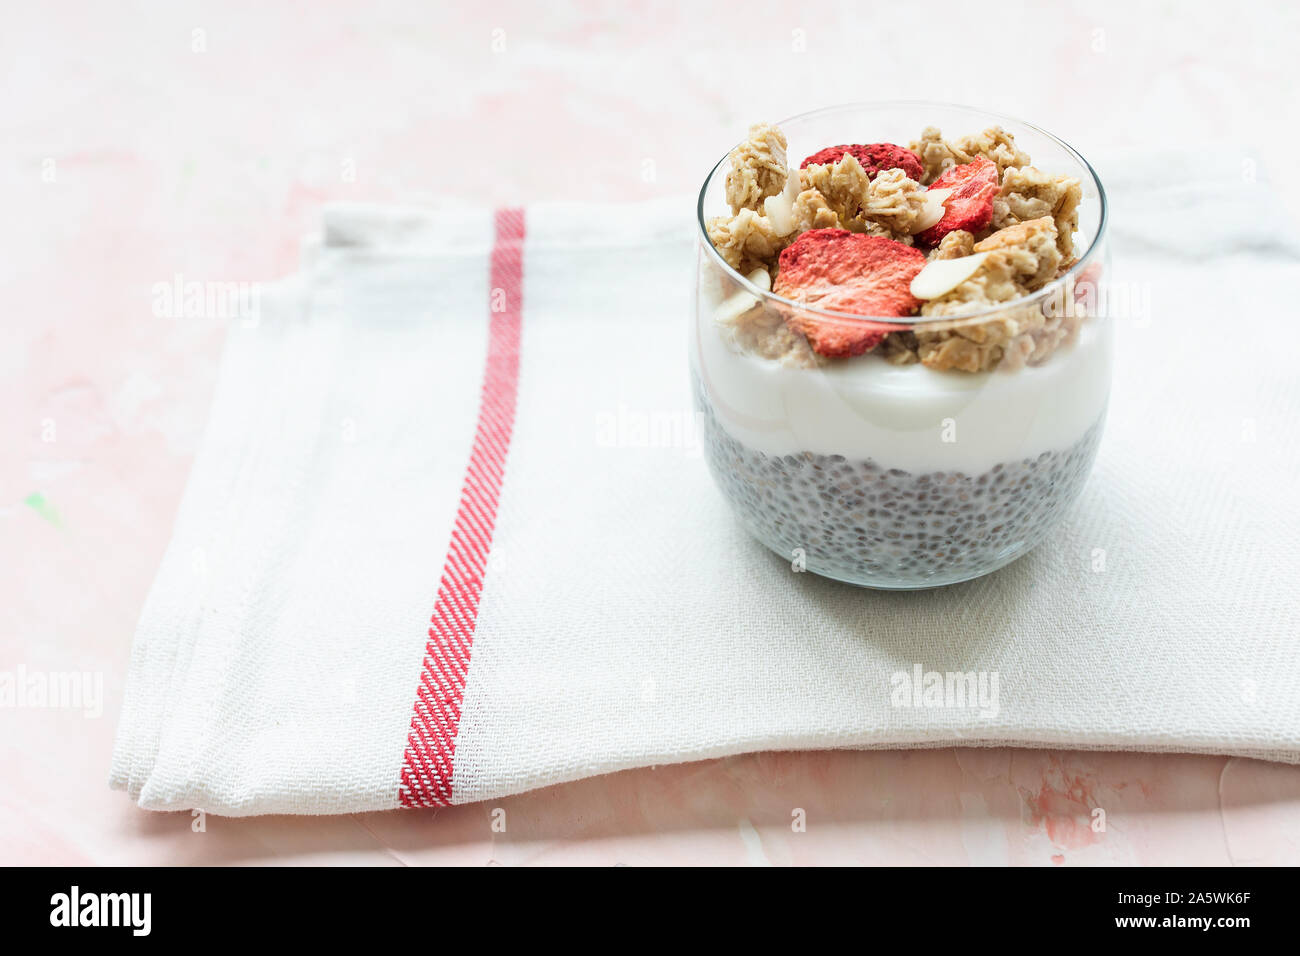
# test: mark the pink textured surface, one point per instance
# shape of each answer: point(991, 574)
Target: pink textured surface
point(165, 160)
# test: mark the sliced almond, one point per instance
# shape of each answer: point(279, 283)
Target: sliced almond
point(933, 211)
point(738, 303)
point(780, 213)
point(941, 276)
point(779, 209)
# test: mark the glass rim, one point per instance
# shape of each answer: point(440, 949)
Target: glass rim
point(911, 322)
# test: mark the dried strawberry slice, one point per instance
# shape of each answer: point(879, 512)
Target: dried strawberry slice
point(842, 271)
point(873, 157)
point(970, 206)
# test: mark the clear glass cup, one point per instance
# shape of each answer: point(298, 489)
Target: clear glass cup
point(901, 476)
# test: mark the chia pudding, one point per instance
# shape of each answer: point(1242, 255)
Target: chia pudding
point(866, 523)
point(897, 357)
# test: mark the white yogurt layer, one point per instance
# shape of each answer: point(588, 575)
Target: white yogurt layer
point(909, 416)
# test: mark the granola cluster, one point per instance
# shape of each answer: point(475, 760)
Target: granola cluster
point(1021, 259)
point(747, 240)
point(758, 168)
point(887, 205)
point(938, 155)
point(838, 195)
point(762, 331)
point(1019, 221)
point(1029, 193)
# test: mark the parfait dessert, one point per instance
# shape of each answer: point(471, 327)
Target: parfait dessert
point(897, 353)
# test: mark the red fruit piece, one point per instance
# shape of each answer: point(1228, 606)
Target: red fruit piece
point(970, 206)
point(873, 157)
point(842, 271)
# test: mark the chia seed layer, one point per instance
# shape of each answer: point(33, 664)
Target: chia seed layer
point(869, 524)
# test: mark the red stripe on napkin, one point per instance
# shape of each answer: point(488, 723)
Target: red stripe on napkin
point(431, 745)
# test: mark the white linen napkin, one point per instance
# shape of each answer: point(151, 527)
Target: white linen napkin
point(411, 432)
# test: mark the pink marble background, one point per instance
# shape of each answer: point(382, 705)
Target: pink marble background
point(137, 148)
